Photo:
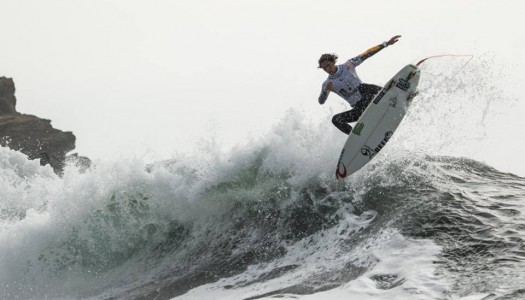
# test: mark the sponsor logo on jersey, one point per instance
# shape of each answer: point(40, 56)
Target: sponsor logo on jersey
point(403, 84)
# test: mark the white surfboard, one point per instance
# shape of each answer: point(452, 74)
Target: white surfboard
point(378, 122)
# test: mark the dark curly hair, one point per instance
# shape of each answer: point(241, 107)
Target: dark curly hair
point(331, 57)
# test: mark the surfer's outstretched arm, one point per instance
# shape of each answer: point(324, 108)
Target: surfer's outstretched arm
point(370, 52)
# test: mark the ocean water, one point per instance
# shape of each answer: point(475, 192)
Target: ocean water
point(268, 220)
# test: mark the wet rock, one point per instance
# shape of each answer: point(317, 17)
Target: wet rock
point(31, 135)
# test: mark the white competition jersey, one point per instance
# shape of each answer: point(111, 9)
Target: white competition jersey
point(346, 81)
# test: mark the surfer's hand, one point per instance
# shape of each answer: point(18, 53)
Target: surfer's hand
point(393, 40)
point(329, 86)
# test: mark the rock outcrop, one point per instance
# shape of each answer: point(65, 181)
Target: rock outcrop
point(7, 97)
point(31, 135)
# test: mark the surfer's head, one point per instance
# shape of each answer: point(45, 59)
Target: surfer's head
point(327, 63)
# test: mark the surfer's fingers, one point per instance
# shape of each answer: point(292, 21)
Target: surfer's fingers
point(394, 39)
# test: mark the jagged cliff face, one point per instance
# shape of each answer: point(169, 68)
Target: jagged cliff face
point(29, 134)
point(7, 97)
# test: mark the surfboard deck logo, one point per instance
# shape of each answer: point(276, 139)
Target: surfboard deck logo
point(403, 84)
point(368, 152)
point(358, 128)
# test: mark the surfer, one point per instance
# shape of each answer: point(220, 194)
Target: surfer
point(344, 81)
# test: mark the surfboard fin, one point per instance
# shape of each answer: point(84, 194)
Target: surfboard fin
point(410, 75)
point(412, 95)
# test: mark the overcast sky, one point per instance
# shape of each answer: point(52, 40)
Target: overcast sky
point(129, 76)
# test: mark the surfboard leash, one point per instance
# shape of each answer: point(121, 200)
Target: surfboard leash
point(448, 55)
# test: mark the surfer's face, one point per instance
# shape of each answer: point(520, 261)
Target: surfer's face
point(328, 66)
